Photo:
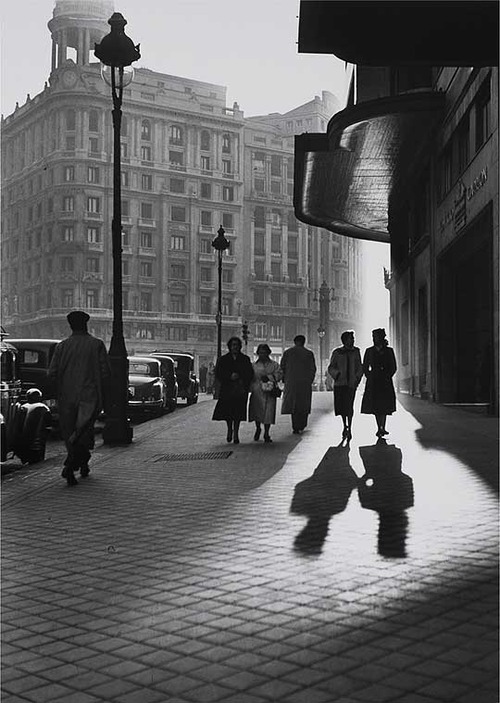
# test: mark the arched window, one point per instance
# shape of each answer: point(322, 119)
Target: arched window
point(146, 130)
point(205, 140)
point(226, 144)
point(176, 135)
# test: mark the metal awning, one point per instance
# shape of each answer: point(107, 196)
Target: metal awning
point(345, 179)
point(395, 32)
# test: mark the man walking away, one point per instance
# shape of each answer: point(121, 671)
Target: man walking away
point(299, 368)
point(346, 370)
point(80, 369)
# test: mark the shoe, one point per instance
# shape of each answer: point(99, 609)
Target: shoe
point(236, 440)
point(69, 476)
point(296, 432)
point(344, 433)
point(229, 437)
point(267, 439)
point(84, 471)
point(379, 433)
point(257, 434)
point(383, 433)
point(348, 435)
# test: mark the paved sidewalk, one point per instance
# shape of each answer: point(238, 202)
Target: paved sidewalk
point(295, 571)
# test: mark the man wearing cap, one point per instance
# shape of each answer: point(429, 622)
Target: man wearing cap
point(80, 369)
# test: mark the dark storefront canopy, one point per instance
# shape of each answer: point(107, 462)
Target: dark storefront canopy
point(345, 179)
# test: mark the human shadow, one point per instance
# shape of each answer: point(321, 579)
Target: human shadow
point(322, 495)
point(385, 489)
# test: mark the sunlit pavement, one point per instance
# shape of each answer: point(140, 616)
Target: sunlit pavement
point(296, 571)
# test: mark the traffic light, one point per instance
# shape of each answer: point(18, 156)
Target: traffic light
point(244, 332)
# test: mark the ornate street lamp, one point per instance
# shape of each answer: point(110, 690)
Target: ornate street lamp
point(117, 51)
point(321, 334)
point(220, 244)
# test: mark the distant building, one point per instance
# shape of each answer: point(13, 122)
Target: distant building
point(189, 165)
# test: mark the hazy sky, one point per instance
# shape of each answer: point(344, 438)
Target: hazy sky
point(247, 45)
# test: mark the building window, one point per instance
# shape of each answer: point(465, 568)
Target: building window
point(70, 120)
point(276, 270)
point(292, 299)
point(227, 166)
point(124, 150)
point(292, 273)
point(146, 240)
point(228, 275)
point(276, 243)
point(276, 298)
point(205, 305)
point(206, 274)
point(206, 246)
point(227, 306)
point(147, 182)
point(177, 185)
point(259, 185)
point(206, 334)
point(178, 213)
point(177, 242)
point(275, 165)
point(276, 187)
point(68, 203)
point(146, 211)
point(93, 174)
point(124, 179)
point(206, 191)
point(293, 246)
point(178, 271)
point(206, 218)
point(93, 121)
point(176, 334)
point(228, 194)
point(260, 243)
point(176, 158)
point(125, 238)
point(146, 302)
point(124, 126)
point(462, 139)
point(177, 302)
point(145, 152)
point(125, 267)
point(93, 145)
point(146, 269)
point(67, 234)
point(483, 116)
point(226, 144)
point(67, 264)
point(205, 141)
point(176, 135)
point(228, 220)
point(67, 298)
point(259, 270)
point(93, 264)
point(93, 204)
point(69, 173)
point(146, 130)
point(258, 299)
point(205, 163)
point(125, 207)
point(259, 215)
point(276, 331)
point(145, 332)
point(445, 171)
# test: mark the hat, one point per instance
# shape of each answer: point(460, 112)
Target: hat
point(265, 347)
point(33, 393)
point(77, 318)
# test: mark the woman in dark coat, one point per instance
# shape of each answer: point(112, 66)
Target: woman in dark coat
point(234, 372)
point(379, 366)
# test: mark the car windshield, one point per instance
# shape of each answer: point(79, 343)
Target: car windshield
point(142, 368)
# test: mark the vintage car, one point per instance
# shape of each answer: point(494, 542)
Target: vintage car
point(33, 360)
point(10, 391)
point(187, 380)
point(147, 390)
point(170, 377)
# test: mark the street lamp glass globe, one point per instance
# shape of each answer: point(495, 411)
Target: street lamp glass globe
point(127, 72)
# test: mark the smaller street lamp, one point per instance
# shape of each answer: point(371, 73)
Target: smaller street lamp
point(117, 51)
point(321, 334)
point(220, 244)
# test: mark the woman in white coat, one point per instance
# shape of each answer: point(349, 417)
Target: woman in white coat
point(262, 409)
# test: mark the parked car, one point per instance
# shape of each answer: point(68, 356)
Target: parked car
point(170, 377)
point(188, 383)
point(147, 391)
point(10, 391)
point(33, 360)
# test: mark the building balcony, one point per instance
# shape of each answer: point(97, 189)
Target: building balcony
point(147, 251)
point(146, 222)
point(206, 257)
point(93, 216)
point(147, 281)
point(95, 246)
point(207, 285)
point(93, 277)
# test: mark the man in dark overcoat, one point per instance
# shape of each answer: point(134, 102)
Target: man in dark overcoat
point(80, 369)
point(299, 368)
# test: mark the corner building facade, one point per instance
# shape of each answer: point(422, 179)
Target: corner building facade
point(189, 164)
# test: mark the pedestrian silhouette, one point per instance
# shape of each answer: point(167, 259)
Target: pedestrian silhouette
point(385, 489)
point(322, 495)
point(299, 368)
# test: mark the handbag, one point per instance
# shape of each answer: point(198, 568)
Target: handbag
point(275, 391)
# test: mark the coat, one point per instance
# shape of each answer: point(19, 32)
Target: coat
point(379, 366)
point(262, 406)
point(233, 395)
point(299, 368)
point(80, 369)
point(345, 367)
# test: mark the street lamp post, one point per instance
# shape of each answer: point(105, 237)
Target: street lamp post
point(117, 51)
point(321, 334)
point(220, 244)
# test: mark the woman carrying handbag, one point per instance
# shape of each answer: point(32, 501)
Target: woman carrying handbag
point(264, 392)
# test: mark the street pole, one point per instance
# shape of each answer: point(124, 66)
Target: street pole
point(116, 50)
point(321, 334)
point(220, 244)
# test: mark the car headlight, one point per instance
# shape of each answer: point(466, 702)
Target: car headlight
point(131, 391)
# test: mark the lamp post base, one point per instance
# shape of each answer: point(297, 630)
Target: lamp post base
point(117, 429)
